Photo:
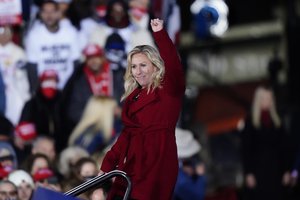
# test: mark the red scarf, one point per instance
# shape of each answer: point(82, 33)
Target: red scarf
point(101, 84)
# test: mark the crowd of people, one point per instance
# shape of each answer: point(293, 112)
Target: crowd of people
point(62, 78)
point(61, 87)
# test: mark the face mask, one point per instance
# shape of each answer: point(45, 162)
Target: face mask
point(48, 88)
point(138, 13)
point(49, 93)
point(101, 11)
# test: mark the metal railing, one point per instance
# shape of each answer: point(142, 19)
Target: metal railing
point(99, 180)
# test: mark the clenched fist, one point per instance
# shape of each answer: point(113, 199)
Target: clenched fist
point(156, 25)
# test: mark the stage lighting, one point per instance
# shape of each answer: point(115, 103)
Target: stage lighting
point(210, 18)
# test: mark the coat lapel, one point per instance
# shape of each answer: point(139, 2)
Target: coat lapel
point(142, 100)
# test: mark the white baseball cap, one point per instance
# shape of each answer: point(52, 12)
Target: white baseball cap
point(20, 176)
point(187, 145)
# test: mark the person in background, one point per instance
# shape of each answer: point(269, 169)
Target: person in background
point(45, 145)
point(92, 78)
point(24, 183)
point(35, 162)
point(84, 18)
point(139, 12)
point(24, 135)
point(8, 159)
point(39, 161)
point(45, 177)
point(8, 137)
point(191, 180)
point(117, 57)
point(97, 130)
point(146, 149)
point(115, 35)
point(265, 149)
point(43, 110)
point(14, 75)
point(88, 170)
point(51, 46)
point(84, 169)
point(117, 21)
point(67, 159)
point(100, 9)
point(8, 190)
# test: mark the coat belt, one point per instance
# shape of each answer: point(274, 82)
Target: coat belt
point(137, 134)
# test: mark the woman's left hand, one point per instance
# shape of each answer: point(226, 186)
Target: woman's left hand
point(156, 24)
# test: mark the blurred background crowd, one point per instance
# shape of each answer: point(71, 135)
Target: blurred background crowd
point(61, 78)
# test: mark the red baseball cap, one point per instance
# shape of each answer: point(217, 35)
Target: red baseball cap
point(49, 74)
point(26, 131)
point(93, 50)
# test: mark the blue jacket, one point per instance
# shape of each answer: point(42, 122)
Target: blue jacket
point(189, 188)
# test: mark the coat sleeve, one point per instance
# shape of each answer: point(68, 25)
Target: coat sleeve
point(113, 156)
point(174, 81)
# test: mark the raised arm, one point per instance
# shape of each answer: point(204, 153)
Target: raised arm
point(174, 81)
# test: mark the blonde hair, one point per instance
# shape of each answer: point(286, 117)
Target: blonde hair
point(154, 57)
point(256, 108)
point(99, 111)
point(68, 157)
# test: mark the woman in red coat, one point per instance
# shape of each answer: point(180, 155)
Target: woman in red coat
point(146, 149)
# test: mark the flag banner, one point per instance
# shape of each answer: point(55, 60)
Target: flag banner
point(47, 194)
point(10, 12)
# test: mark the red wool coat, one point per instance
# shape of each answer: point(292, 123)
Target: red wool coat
point(146, 149)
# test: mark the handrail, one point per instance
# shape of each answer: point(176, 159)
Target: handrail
point(98, 180)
